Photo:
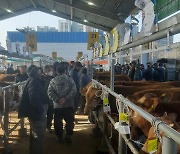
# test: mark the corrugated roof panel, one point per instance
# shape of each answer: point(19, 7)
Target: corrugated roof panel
point(52, 37)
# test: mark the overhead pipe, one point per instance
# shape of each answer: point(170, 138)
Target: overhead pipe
point(159, 35)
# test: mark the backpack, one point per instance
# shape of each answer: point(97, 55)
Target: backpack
point(25, 103)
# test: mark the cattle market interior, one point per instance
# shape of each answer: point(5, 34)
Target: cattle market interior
point(131, 104)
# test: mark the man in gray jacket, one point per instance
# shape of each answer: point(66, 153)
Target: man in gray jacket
point(62, 91)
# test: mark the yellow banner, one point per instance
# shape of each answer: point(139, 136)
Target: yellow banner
point(31, 41)
point(114, 47)
point(101, 52)
point(92, 38)
point(106, 50)
point(54, 55)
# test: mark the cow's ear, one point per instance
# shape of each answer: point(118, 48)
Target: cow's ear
point(172, 116)
point(166, 97)
point(165, 114)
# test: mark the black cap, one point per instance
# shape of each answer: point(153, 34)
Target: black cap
point(32, 71)
point(78, 64)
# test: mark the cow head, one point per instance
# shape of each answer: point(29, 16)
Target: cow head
point(148, 102)
point(93, 98)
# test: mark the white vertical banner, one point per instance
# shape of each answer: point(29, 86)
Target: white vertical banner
point(8, 45)
point(127, 35)
point(148, 22)
point(148, 16)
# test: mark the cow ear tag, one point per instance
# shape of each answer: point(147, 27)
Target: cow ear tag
point(123, 117)
point(152, 145)
point(106, 107)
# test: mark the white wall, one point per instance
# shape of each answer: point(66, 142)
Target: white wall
point(66, 50)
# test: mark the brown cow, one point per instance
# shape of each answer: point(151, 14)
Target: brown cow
point(7, 77)
point(124, 90)
point(169, 119)
point(150, 103)
point(146, 83)
point(166, 94)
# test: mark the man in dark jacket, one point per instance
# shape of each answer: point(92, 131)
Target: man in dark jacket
point(34, 106)
point(10, 69)
point(62, 91)
point(75, 74)
point(149, 72)
point(132, 70)
point(47, 78)
point(22, 76)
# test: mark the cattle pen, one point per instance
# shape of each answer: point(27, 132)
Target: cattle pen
point(8, 107)
point(169, 141)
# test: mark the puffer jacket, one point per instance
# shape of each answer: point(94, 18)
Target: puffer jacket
point(33, 100)
point(62, 86)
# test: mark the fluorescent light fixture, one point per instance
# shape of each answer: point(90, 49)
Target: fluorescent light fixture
point(90, 3)
point(54, 11)
point(85, 20)
point(8, 10)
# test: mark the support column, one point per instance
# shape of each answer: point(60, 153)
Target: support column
point(6, 121)
point(122, 60)
point(122, 148)
point(112, 72)
point(169, 146)
point(144, 58)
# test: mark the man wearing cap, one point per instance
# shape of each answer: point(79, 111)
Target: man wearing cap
point(34, 106)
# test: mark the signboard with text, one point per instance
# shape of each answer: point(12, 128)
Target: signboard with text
point(92, 38)
point(54, 55)
point(31, 41)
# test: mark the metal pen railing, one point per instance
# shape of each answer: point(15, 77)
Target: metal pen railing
point(171, 138)
point(5, 123)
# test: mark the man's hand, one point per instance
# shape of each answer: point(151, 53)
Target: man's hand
point(61, 101)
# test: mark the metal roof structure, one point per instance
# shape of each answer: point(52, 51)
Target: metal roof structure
point(101, 14)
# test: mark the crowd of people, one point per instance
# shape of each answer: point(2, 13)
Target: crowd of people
point(52, 92)
point(137, 71)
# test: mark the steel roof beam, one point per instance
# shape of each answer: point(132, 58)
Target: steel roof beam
point(68, 17)
point(16, 13)
point(33, 4)
point(92, 10)
point(71, 10)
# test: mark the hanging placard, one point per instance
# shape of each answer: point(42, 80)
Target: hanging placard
point(105, 101)
point(122, 129)
point(92, 38)
point(54, 55)
point(31, 41)
point(152, 145)
point(106, 108)
point(123, 117)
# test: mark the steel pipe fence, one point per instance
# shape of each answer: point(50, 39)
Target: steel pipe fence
point(5, 114)
point(171, 138)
